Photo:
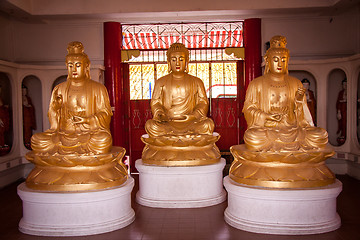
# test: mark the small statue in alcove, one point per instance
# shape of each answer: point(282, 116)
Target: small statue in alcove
point(341, 105)
point(310, 99)
point(4, 125)
point(29, 120)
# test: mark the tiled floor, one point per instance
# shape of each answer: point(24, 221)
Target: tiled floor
point(200, 223)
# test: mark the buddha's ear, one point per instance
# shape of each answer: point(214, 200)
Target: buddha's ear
point(87, 69)
point(266, 70)
point(265, 59)
point(169, 67)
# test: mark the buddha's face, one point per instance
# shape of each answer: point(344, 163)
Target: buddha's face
point(178, 62)
point(278, 63)
point(76, 68)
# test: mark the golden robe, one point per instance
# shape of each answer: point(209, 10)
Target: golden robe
point(177, 99)
point(294, 131)
point(67, 136)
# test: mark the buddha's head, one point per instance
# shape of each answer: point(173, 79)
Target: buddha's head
point(177, 58)
point(77, 62)
point(277, 56)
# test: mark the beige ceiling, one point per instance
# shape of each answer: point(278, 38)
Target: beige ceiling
point(134, 11)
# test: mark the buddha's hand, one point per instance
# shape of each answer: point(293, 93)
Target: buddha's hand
point(51, 130)
point(80, 120)
point(274, 117)
point(189, 117)
point(299, 96)
point(161, 117)
point(272, 120)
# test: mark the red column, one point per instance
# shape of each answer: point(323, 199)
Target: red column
point(240, 101)
point(252, 44)
point(113, 78)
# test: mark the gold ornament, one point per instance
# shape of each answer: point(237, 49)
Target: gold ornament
point(180, 133)
point(282, 147)
point(76, 153)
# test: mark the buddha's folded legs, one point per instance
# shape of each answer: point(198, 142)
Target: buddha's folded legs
point(263, 139)
point(51, 142)
point(43, 142)
point(204, 127)
point(256, 139)
point(316, 137)
point(156, 129)
point(100, 142)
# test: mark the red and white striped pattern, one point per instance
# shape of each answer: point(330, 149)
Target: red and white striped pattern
point(214, 39)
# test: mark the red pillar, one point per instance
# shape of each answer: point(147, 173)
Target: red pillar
point(113, 78)
point(252, 44)
point(240, 100)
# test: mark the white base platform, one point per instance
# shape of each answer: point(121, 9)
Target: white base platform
point(282, 211)
point(180, 187)
point(76, 213)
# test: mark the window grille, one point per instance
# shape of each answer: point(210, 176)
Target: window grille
point(193, 36)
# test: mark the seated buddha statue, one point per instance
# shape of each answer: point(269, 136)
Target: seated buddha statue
point(280, 128)
point(79, 112)
point(179, 106)
point(79, 134)
point(275, 108)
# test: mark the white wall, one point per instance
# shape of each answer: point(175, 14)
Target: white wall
point(6, 43)
point(317, 37)
point(46, 43)
point(308, 37)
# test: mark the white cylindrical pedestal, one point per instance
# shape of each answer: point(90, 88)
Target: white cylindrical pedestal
point(180, 187)
point(76, 213)
point(282, 211)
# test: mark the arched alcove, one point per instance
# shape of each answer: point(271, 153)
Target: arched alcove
point(58, 81)
point(32, 108)
point(358, 107)
point(336, 107)
point(6, 126)
point(311, 94)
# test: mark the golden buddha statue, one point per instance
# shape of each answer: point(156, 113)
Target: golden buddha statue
point(282, 147)
point(76, 153)
point(180, 133)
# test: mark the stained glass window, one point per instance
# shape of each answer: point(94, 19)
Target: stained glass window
point(161, 70)
point(202, 71)
point(142, 79)
point(223, 80)
point(219, 78)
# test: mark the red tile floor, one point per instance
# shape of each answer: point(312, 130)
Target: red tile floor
point(185, 224)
